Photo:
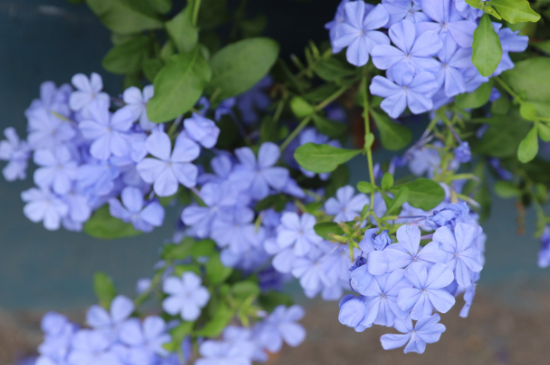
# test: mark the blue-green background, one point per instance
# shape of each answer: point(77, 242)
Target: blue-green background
point(52, 40)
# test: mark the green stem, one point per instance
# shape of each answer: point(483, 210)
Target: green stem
point(156, 280)
point(331, 98)
point(196, 8)
point(507, 88)
point(368, 146)
point(294, 133)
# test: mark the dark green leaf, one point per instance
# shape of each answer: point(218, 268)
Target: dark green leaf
point(424, 193)
point(329, 127)
point(182, 31)
point(123, 18)
point(400, 198)
point(245, 289)
point(178, 86)
point(321, 158)
point(325, 229)
point(239, 66)
point(161, 6)
point(503, 136)
point(103, 225)
point(216, 272)
point(217, 324)
point(203, 248)
point(271, 300)
point(151, 68)
point(487, 50)
point(394, 136)
point(529, 146)
point(128, 57)
point(476, 99)
point(179, 251)
point(331, 69)
point(104, 289)
point(507, 189)
point(177, 335)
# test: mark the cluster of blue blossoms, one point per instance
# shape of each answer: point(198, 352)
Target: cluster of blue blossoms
point(427, 53)
point(93, 150)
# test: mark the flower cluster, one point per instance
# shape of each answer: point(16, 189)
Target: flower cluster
point(427, 51)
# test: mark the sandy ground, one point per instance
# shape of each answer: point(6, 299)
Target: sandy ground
point(495, 333)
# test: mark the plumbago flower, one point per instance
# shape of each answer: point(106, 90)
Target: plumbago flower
point(262, 204)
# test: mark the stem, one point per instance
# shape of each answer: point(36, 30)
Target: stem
point(156, 280)
point(196, 9)
point(507, 88)
point(331, 98)
point(294, 133)
point(367, 134)
point(174, 126)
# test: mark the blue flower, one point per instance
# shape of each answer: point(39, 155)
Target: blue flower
point(225, 108)
point(404, 9)
point(407, 250)
point(462, 253)
point(346, 206)
point(143, 217)
point(254, 100)
point(312, 272)
point(97, 177)
point(92, 348)
point(448, 216)
point(58, 169)
point(258, 175)
point(51, 100)
point(221, 352)
point(136, 103)
point(463, 153)
point(427, 291)
point(410, 49)
point(202, 130)
point(454, 61)
point(281, 326)
point(352, 312)
point(17, 153)
point(44, 206)
point(48, 131)
point(109, 322)
point(145, 339)
point(447, 20)
point(311, 135)
point(358, 31)
point(87, 91)
point(381, 307)
point(335, 25)
point(169, 168)
point(186, 296)
point(109, 133)
point(469, 295)
point(297, 232)
point(467, 11)
point(426, 330)
point(403, 88)
point(544, 252)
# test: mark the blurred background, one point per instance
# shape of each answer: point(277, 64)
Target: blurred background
point(41, 270)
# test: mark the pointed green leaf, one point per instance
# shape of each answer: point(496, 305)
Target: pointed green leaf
point(515, 11)
point(178, 86)
point(103, 225)
point(487, 50)
point(123, 18)
point(424, 193)
point(394, 136)
point(182, 31)
point(529, 146)
point(128, 57)
point(321, 158)
point(104, 289)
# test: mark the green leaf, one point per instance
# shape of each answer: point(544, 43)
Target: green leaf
point(507, 189)
point(217, 324)
point(275, 201)
point(325, 229)
point(400, 198)
point(329, 127)
point(529, 146)
point(127, 57)
point(182, 31)
point(161, 6)
point(178, 86)
point(104, 289)
point(515, 11)
point(103, 225)
point(203, 248)
point(528, 111)
point(424, 194)
point(179, 251)
point(245, 289)
point(543, 46)
point(387, 181)
point(487, 50)
point(394, 136)
point(529, 78)
point(177, 335)
point(476, 99)
point(503, 136)
point(151, 68)
point(321, 158)
point(331, 69)
point(544, 132)
point(300, 107)
point(216, 272)
point(365, 187)
point(123, 18)
point(271, 300)
point(239, 66)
